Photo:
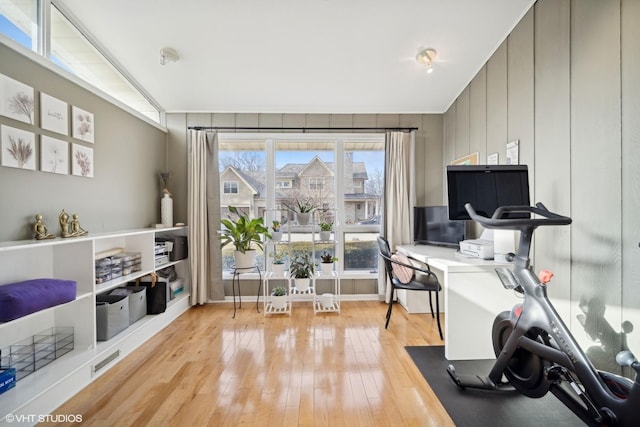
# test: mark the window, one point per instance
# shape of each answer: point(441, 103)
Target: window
point(339, 173)
point(230, 187)
point(71, 49)
point(316, 183)
point(19, 21)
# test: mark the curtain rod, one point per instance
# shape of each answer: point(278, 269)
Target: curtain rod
point(299, 129)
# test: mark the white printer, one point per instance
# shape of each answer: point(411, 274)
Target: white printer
point(477, 248)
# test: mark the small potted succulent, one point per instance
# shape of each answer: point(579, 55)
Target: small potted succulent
point(302, 269)
point(279, 298)
point(325, 230)
point(278, 262)
point(276, 234)
point(327, 262)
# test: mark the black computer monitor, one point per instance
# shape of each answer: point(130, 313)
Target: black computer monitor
point(432, 226)
point(487, 187)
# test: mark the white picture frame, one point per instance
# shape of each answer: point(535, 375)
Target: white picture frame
point(16, 100)
point(83, 124)
point(18, 148)
point(54, 155)
point(492, 159)
point(82, 161)
point(513, 152)
point(54, 114)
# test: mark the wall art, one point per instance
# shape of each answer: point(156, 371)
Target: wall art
point(83, 124)
point(82, 161)
point(471, 159)
point(18, 148)
point(513, 152)
point(54, 114)
point(54, 155)
point(16, 100)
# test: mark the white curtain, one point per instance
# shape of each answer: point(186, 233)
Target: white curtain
point(204, 215)
point(399, 194)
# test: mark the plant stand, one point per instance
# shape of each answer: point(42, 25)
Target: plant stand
point(237, 271)
point(319, 305)
point(269, 277)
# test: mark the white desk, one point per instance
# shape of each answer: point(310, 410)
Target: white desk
point(473, 296)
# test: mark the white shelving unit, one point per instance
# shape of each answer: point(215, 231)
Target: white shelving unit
point(300, 233)
point(74, 259)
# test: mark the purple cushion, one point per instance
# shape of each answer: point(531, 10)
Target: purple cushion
point(22, 298)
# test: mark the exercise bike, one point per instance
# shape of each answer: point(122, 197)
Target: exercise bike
point(535, 350)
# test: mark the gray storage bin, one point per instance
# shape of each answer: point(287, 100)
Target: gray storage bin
point(137, 301)
point(112, 315)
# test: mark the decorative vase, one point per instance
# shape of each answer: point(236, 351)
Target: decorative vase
point(166, 210)
point(245, 259)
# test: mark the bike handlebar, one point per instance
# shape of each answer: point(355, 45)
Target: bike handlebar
point(496, 220)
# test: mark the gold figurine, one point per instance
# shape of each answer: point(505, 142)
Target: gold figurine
point(41, 230)
point(64, 224)
point(76, 229)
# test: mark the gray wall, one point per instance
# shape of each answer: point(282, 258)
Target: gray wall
point(128, 154)
point(566, 83)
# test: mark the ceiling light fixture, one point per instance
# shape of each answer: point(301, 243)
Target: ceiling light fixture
point(168, 54)
point(426, 57)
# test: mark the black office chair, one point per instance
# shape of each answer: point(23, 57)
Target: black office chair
point(426, 281)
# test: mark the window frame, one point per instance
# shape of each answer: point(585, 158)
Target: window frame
point(339, 140)
point(231, 186)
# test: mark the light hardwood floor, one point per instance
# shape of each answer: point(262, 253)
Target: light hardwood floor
point(305, 370)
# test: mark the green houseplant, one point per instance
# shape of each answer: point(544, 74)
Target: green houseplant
point(302, 269)
point(276, 234)
point(279, 298)
point(245, 235)
point(327, 262)
point(278, 261)
point(325, 230)
point(303, 208)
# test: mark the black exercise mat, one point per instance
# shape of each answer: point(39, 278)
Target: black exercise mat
point(482, 407)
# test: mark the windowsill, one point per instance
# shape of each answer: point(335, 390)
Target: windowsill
point(350, 275)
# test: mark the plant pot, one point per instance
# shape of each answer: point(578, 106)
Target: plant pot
point(325, 235)
point(326, 300)
point(327, 267)
point(303, 218)
point(246, 259)
point(278, 269)
point(276, 236)
point(278, 302)
point(302, 284)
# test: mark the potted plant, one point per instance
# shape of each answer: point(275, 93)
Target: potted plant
point(301, 269)
point(325, 230)
point(303, 209)
point(276, 234)
point(279, 298)
point(245, 234)
point(278, 262)
point(327, 262)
